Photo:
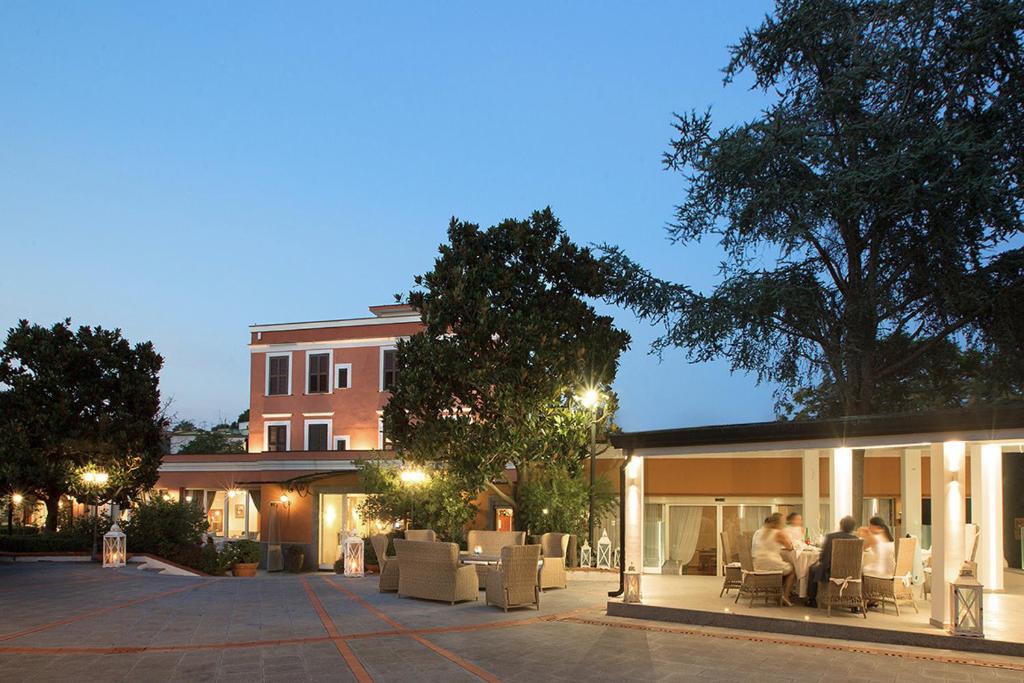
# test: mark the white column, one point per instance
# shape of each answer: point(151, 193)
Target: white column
point(987, 512)
point(840, 485)
point(633, 499)
point(948, 518)
point(910, 491)
point(812, 494)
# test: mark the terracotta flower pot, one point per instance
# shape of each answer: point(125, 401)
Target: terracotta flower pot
point(244, 568)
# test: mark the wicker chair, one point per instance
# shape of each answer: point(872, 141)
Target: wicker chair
point(491, 542)
point(754, 583)
point(898, 587)
point(552, 572)
point(431, 571)
point(420, 535)
point(514, 582)
point(388, 564)
point(845, 588)
point(733, 569)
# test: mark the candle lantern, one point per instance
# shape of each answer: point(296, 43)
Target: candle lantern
point(965, 605)
point(115, 547)
point(586, 556)
point(631, 585)
point(604, 551)
point(353, 555)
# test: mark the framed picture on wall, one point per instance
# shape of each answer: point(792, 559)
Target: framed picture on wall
point(239, 511)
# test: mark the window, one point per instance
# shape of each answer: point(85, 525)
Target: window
point(278, 375)
point(388, 370)
point(277, 437)
point(319, 375)
point(343, 376)
point(318, 435)
point(341, 443)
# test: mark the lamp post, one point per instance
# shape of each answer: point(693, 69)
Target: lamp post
point(95, 480)
point(590, 399)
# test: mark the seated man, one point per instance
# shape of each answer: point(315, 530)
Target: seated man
point(822, 569)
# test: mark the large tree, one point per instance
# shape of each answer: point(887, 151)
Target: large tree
point(868, 213)
point(510, 339)
point(74, 400)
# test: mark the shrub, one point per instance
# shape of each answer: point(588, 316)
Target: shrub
point(294, 558)
point(369, 554)
point(163, 527)
point(339, 566)
point(44, 543)
point(554, 499)
point(211, 561)
point(243, 551)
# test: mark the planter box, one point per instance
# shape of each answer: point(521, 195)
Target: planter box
point(244, 569)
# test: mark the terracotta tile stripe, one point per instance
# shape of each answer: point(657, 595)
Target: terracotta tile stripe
point(447, 654)
point(353, 663)
point(858, 649)
point(104, 610)
point(137, 649)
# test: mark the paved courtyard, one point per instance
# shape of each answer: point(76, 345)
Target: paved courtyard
point(61, 621)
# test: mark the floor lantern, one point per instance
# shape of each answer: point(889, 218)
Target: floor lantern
point(115, 547)
point(354, 555)
point(586, 556)
point(604, 551)
point(965, 604)
point(631, 586)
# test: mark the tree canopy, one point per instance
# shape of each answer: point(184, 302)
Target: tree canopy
point(74, 400)
point(867, 214)
point(510, 338)
point(214, 442)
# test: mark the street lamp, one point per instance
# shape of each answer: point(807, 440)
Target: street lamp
point(95, 480)
point(591, 399)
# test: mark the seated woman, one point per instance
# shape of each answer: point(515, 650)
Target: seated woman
point(879, 548)
point(795, 528)
point(767, 553)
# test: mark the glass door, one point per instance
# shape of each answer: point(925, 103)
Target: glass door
point(332, 513)
point(692, 540)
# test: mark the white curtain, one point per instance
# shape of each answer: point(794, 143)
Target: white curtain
point(684, 529)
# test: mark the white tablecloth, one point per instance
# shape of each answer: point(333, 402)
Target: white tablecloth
point(802, 561)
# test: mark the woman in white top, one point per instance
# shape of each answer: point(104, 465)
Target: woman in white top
point(767, 553)
point(795, 528)
point(879, 548)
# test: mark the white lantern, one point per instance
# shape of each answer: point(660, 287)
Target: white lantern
point(604, 551)
point(585, 554)
point(965, 605)
point(631, 585)
point(353, 555)
point(115, 547)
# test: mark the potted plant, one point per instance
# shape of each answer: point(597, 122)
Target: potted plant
point(339, 566)
point(370, 562)
point(294, 558)
point(245, 556)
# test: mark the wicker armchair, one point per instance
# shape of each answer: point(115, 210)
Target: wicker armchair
point(514, 582)
point(733, 569)
point(431, 571)
point(845, 588)
point(491, 542)
point(420, 535)
point(898, 587)
point(552, 572)
point(388, 564)
point(755, 583)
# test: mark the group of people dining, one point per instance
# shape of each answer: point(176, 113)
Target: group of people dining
point(781, 542)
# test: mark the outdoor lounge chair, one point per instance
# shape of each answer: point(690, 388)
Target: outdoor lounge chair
point(420, 535)
point(553, 548)
point(845, 588)
point(491, 542)
point(755, 583)
point(733, 569)
point(513, 583)
point(388, 564)
point(899, 587)
point(432, 571)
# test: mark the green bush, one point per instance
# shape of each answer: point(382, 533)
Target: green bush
point(339, 566)
point(211, 561)
point(44, 543)
point(294, 558)
point(553, 499)
point(164, 527)
point(243, 551)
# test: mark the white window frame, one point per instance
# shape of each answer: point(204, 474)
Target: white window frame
point(330, 364)
point(346, 439)
point(338, 366)
point(305, 432)
point(380, 432)
point(266, 376)
point(287, 434)
point(390, 347)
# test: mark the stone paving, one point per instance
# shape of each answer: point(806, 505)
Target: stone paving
point(61, 621)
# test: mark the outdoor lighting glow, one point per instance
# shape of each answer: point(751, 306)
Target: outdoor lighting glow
point(92, 477)
point(807, 617)
point(16, 499)
point(544, 511)
point(167, 497)
point(954, 454)
point(283, 499)
point(413, 476)
point(330, 515)
point(841, 485)
point(188, 499)
point(589, 398)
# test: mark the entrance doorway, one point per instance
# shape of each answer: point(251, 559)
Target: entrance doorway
point(339, 515)
point(503, 519)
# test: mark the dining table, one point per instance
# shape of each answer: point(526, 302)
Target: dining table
point(802, 556)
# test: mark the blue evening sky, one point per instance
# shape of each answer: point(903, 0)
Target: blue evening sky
point(186, 170)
